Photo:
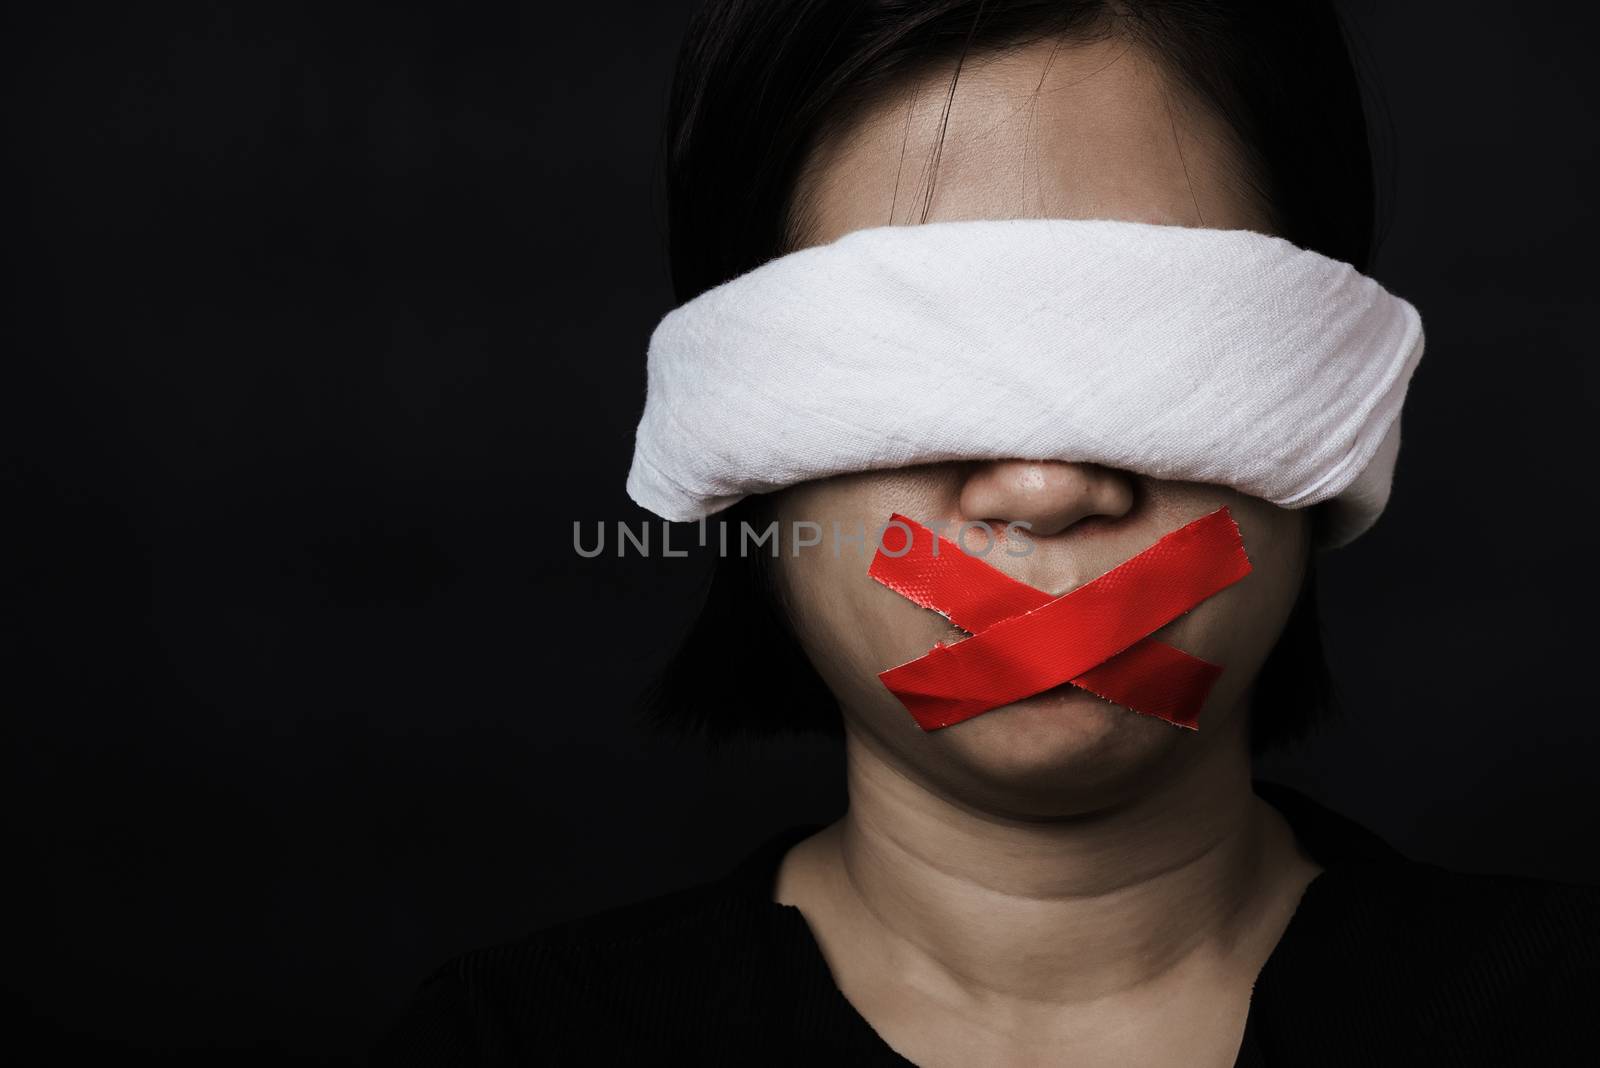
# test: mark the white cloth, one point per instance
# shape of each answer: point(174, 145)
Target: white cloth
point(1218, 356)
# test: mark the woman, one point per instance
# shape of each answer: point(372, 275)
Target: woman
point(1059, 879)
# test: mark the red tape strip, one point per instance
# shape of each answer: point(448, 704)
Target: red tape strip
point(1025, 641)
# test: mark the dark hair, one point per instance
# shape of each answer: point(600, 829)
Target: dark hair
point(760, 83)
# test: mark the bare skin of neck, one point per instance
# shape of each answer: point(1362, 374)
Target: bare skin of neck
point(1131, 935)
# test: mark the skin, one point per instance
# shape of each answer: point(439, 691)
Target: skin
point(1060, 881)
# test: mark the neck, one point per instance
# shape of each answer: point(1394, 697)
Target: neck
point(1193, 875)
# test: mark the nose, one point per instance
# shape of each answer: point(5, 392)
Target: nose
point(1049, 495)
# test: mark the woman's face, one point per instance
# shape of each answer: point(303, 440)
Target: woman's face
point(1059, 131)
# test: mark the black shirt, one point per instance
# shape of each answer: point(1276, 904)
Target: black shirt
point(1385, 961)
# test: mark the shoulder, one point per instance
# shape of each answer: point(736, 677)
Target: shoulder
point(1513, 928)
point(1378, 907)
point(617, 986)
point(1390, 960)
point(574, 989)
point(1454, 967)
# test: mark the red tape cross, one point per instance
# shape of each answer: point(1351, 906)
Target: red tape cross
point(1025, 641)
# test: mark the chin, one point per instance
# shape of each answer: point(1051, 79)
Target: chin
point(1059, 751)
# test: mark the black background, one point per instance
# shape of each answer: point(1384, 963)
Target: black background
point(330, 322)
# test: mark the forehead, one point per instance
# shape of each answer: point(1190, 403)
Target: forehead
point(1054, 129)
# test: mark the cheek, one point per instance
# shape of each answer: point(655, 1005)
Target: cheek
point(1238, 626)
point(852, 627)
point(1235, 628)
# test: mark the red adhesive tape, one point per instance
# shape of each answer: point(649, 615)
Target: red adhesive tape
point(1025, 641)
